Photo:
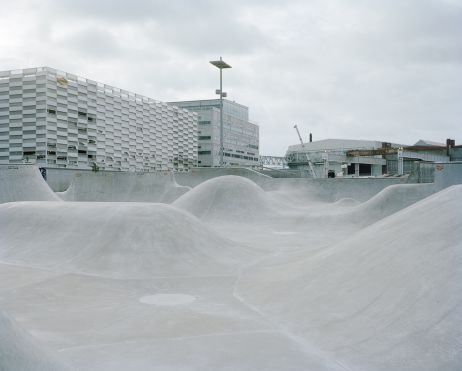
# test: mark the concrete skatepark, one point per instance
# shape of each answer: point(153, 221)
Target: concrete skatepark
point(229, 270)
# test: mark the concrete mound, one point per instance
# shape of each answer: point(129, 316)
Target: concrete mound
point(114, 239)
point(346, 201)
point(226, 198)
point(389, 201)
point(123, 187)
point(20, 352)
point(195, 176)
point(24, 183)
point(387, 298)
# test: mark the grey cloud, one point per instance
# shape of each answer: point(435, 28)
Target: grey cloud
point(191, 27)
point(93, 42)
point(212, 37)
point(153, 10)
point(412, 32)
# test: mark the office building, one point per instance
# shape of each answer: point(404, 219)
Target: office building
point(57, 119)
point(240, 137)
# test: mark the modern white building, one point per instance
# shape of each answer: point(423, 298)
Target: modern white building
point(58, 119)
point(240, 137)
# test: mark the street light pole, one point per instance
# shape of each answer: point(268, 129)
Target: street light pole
point(221, 65)
point(221, 117)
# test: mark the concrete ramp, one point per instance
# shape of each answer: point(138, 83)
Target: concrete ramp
point(24, 183)
point(114, 239)
point(387, 298)
point(226, 198)
point(389, 201)
point(331, 190)
point(19, 351)
point(123, 186)
point(198, 175)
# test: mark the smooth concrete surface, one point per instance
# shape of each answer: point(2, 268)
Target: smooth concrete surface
point(19, 351)
point(60, 179)
point(92, 238)
point(23, 183)
point(234, 275)
point(331, 190)
point(386, 298)
point(198, 175)
point(326, 189)
point(123, 186)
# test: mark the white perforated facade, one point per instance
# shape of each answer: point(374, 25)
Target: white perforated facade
point(62, 120)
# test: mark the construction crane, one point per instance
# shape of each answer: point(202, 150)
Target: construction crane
point(310, 164)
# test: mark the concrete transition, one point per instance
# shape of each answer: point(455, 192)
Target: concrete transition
point(226, 197)
point(20, 351)
point(120, 186)
point(387, 298)
point(198, 175)
point(96, 238)
point(237, 273)
point(24, 183)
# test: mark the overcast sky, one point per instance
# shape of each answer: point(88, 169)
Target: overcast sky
point(361, 69)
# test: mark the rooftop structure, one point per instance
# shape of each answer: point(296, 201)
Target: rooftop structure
point(422, 142)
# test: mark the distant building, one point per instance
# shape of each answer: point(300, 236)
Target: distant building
point(273, 162)
point(346, 157)
point(429, 143)
point(58, 119)
point(240, 137)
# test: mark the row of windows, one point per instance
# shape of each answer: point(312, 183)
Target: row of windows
point(240, 156)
